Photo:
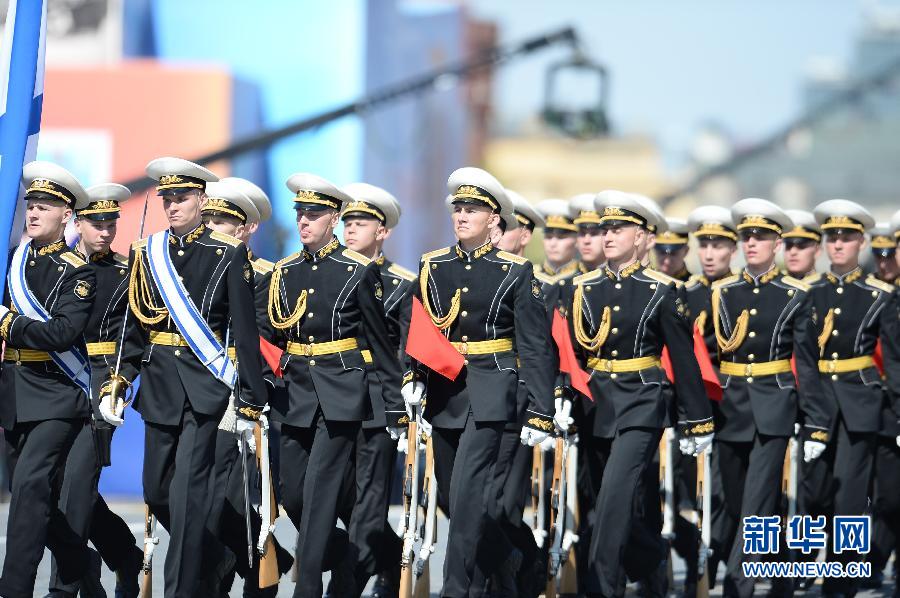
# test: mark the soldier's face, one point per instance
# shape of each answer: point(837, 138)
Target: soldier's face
point(183, 209)
point(511, 240)
point(715, 256)
point(46, 219)
point(800, 256)
point(96, 235)
point(363, 234)
point(316, 226)
point(671, 263)
point(590, 244)
point(760, 247)
point(843, 247)
point(888, 267)
point(225, 224)
point(622, 242)
point(559, 246)
point(472, 223)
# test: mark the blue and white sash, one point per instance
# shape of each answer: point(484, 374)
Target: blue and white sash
point(184, 313)
point(74, 362)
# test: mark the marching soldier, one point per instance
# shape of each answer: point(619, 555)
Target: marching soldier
point(622, 316)
point(368, 222)
point(560, 258)
point(802, 245)
point(657, 225)
point(86, 511)
point(590, 240)
point(761, 318)
point(45, 382)
point(671, 249)
point(716, 239)
point(325, 303)
point(886, 477)
point(491, 308)
point(518, 238)
point(884, 251)
point(853, 313)
point(235, 207)
point(191, 294)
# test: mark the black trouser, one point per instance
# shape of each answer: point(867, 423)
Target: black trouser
point(686, 540)
point(178, 464)
point(593, 455)
point(374, 544)
point(313, 462)
point(463, 459)
point(88, 514)
point(837, 483)
point(762, 462)
point(37, 456)
point(614, 525)
point(509, 487)
point(886, 511)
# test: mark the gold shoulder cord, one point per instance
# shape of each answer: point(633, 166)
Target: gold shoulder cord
point(140, 293)
point(444, 322)
point(740, 328)
point(275, 315)
point(591, 343)
point(700, 322)
point(827, 328)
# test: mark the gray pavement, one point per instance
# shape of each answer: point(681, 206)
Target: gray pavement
point(133, 513)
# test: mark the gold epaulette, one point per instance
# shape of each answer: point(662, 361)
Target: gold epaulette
point(402, 272)
point(287, 259)
point(544, 278)
point(356, 257)
point(72, 259)
point(512, 257)
point(879, 284)
point(261, 266)
point(436, 253)
point(797, 284)
point(120, 259)
point(228, 239)
point(139, 244)
point(725, 281)
point(812, 278)
point(660, 277)
point(692, 281)
point(586, 277)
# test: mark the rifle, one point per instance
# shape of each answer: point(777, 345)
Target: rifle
point(792, 458)
point(242, 455)
point(150, 542)
point(265, 545)
point(704, 490)
point(537, 496)
point(429, 525)
point(667, 477)
point(409, 524)
point(568, 578)
point(557, 515)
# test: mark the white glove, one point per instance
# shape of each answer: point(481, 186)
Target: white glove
point(702, 443)
point(548, 444)
point(424, 427)
point(898, 440)
point(796, 429)
point(687, 446)
point(532, 436)
point(412, 394)
point(561, 417)
point(398, 434)
point(112, 415)
point(245, 427)
point(812, 450)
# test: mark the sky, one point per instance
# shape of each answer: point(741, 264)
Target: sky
point(676, 64)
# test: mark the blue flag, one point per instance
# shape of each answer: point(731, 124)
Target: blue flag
point(21, 97)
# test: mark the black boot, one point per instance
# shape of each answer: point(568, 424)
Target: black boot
point(127, 575)
point(656, 584)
